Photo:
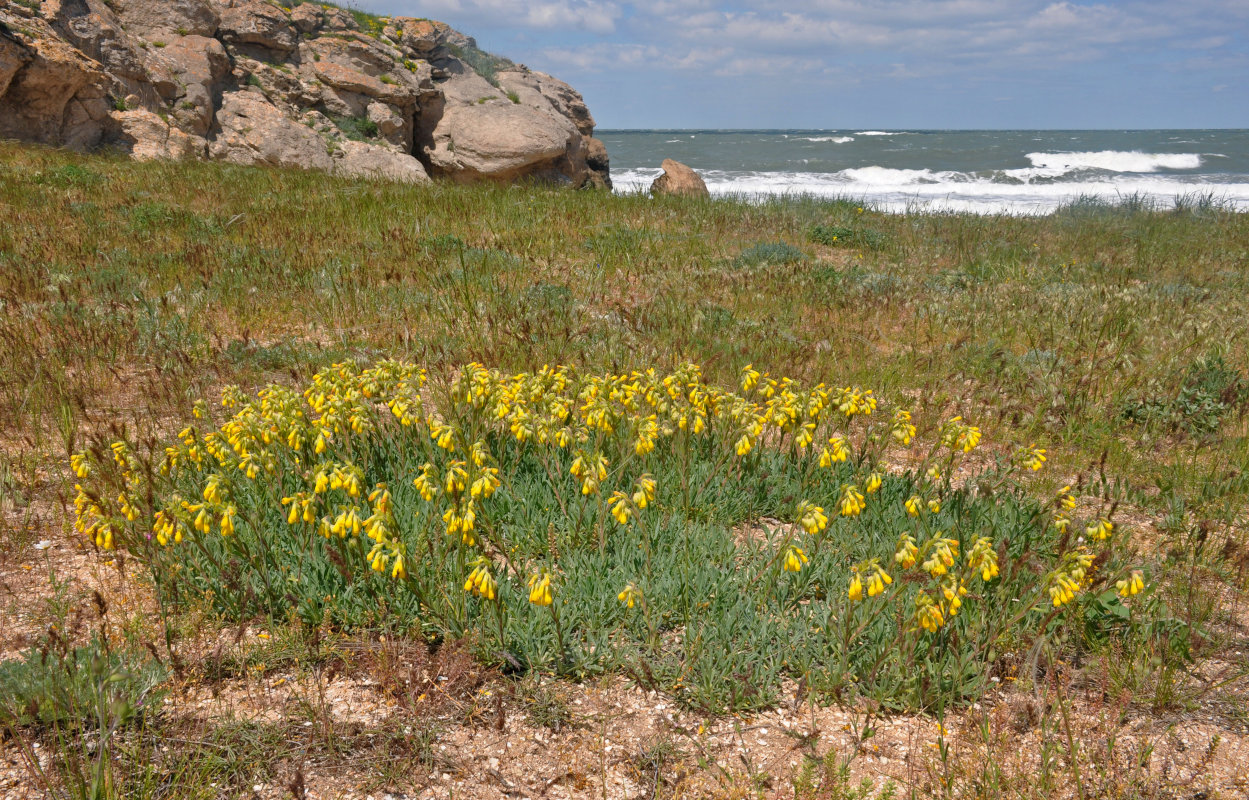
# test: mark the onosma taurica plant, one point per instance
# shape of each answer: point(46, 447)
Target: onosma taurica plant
point(705, 541)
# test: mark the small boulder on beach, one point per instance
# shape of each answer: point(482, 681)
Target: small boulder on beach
point(679, 179)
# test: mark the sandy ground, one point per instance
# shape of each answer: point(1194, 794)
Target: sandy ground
point(481, 735)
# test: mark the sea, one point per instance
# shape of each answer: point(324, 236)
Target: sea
point(987, 172)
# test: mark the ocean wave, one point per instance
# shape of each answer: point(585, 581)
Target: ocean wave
point(1115, 161)
point(881, 133)
point(833, 139)
point(901, 190)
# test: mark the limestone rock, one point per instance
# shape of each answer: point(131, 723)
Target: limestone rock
point(481, 134)
point(679, 179)
point(49, 74)
point(93, 29)
point(351, 80)
point(251, 130)
point(419, 37)
point(538, 87)
point(149, 137)
point(250, 81)
point(307, 17)
point(13, 56)
point(254, 22)
point(183, 17)
point(597, 161)
point(363, 160)
point(195, 66)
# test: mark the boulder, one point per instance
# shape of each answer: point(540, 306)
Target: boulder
point(363, 160)
point(480, 134)
point(13, 56)
point(350, 80)
point(679, 179)
point(254, 22)
point(419, 38)
point(597, 161)
point(538, 88)
point(147, 136)
point(356, 51)
point(95, 31)
point(385, 118)
point(307, 17)
point(182, 17)
point(251, 130)
point(194, 66)
point(50, 73)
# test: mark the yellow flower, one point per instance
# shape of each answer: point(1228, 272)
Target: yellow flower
point(1133, 584)
point(906, 551)
point(794, 559)
point(1064, 498)
point(901, 429)
point(852, 502)
point(811, 517)
point(913, 505)
point(481, 583)
point(630, 595)
point(836, 452)
point(1062, 522)
point(878, 581)
point(750, 378)
point(855, 592)
point(620, 508)
point(540, 589)
point(941, 556)
point(644, 490)
point(983, 557)
point(743, 445)
point(456, 479)
point(934, 506)
point(872, 485)
point(78, 463)
point(1034, 458)
point(227, 521)
point(427, 482)
point(928, 613)
point(1100, 529)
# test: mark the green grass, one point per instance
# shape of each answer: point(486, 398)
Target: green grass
point(1046, 327)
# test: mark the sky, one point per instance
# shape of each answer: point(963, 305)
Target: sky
point(836, 64)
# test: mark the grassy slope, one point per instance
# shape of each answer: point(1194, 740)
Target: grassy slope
point(129, 290)
point(158, 281)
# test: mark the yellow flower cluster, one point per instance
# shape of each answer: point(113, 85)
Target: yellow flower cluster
point(316, 444)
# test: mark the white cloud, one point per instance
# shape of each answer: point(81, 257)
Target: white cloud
point(595, 16)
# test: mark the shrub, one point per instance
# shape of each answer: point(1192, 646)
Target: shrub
point(1209, 390)
point(840, 236)
point(357, 129)
point(709, 543)
point(484, 64)
point(769, 253)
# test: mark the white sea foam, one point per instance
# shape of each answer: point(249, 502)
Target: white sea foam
point(833, 139)
point(1025, 191)
point(881, 133)
point(1115, 161)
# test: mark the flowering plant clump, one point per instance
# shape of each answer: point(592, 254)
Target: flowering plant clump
point(584, 522)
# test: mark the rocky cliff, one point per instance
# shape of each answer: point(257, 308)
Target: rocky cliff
point(310, 85)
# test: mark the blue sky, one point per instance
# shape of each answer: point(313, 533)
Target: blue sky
point(876, 63)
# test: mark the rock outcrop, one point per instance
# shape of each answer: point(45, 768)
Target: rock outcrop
point(679, 179)
point(317, 87)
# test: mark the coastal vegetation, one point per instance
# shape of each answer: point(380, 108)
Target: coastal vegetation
point(491, 450)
